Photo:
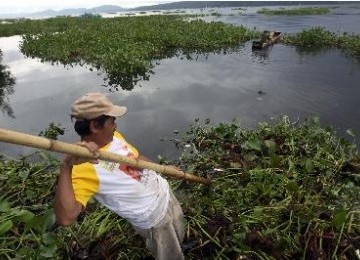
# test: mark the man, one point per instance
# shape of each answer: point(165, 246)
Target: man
point(140, 196)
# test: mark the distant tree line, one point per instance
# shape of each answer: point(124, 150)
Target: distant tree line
point(212, 4)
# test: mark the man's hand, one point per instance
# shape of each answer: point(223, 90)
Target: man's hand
point(70, 160)
point(131, 171)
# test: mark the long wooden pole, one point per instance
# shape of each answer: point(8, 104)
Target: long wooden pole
point(14, 137)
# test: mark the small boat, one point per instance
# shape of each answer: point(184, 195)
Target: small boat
point(267, 38)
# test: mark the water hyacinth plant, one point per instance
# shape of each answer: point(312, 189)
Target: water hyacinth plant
point(26, 215)
point(127, 47)
point(314, 37)
point(319, 38)
point(295, 11)
point(283, 190)
point(52, 131)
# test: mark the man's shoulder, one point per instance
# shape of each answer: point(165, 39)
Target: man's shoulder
point(118, 135)
point(83, 167)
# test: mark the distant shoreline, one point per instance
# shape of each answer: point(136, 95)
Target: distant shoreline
point(175, 5)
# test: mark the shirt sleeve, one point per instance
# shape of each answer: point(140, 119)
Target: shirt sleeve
point(85, 182)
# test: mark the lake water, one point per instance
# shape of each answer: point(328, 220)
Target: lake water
point(215, 86)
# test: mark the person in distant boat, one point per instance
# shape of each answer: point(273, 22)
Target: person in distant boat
point(265, 36)
point(141, 196)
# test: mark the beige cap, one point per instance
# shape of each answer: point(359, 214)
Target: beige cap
point(93, 105)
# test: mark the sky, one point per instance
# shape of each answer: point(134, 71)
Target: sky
point(26, 6)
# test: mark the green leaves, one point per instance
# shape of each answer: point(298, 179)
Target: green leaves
point(340, 218)
point(23, 216)
point(127, 48)
point(309, 166)
point(253, 145)
point(351, 132)
point(32, 231)
point(52, 131)
point(283, 182)
point(5, 226)
point(280, 184)
point(295, 11)
point(26, 217)
point(292, 187)
point(318, 38)
point(5, 206)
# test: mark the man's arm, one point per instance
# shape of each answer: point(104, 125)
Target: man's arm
point(67, 209)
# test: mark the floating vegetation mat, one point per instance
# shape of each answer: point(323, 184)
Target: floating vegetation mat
point(318, 38)
point(295, 11)
point(127, 48)
point(283, 190)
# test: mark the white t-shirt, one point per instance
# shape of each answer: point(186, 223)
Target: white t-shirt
point(141, 197)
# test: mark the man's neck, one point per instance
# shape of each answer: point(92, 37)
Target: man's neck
point(92, 138)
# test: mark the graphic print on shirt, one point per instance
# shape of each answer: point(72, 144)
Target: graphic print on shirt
point(135, 174)
point(108, 166)
point(120, 147)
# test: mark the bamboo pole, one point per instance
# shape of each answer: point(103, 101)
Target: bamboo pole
point(14, 137)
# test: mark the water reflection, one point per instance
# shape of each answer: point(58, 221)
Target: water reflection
point(127, 72)
point(221, 87)
point(260, 55)
point(315, 51)
point(252, 87)
point(131, 75)
point(127, 81)
point(7, 83)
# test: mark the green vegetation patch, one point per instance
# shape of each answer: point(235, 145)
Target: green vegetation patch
point(27, 219)
point(284, 190)
point(314, 37)
point(26, 215)
point(318, 37)
point(127, 47)
point(295, 11)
